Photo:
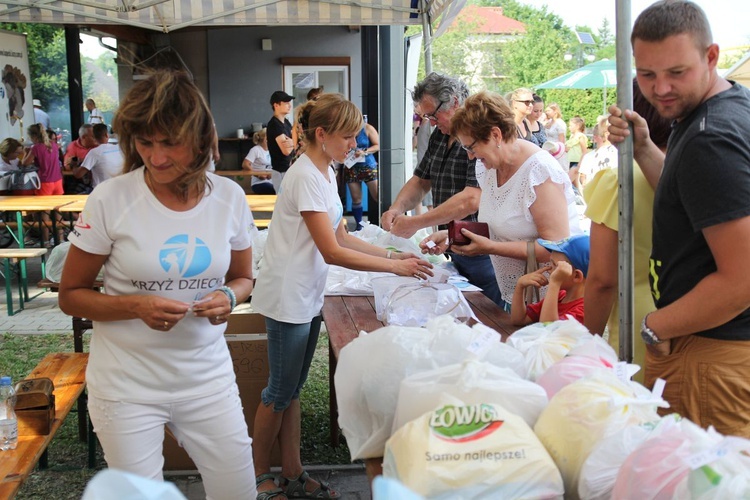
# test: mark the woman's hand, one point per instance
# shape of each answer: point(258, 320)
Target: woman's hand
point(479, 245)
point(439, 240)
point(160, 313)
point(413, 266)
point(215, 306)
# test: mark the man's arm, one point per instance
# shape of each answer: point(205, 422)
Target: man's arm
point(601, 280)
point(458, 206)
point(648, 156)
point(721, 295)
point(407, 199)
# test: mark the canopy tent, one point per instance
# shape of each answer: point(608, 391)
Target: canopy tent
point(171, 15)
point(597, 75)
point(740, 72)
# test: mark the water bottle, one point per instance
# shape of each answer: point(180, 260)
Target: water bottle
point(8, 422)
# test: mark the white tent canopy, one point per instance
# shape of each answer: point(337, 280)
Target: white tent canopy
point(171, 15)
point(740, 72)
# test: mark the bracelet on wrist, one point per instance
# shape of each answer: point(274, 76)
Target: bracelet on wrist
point(230, 295)
point(388, 254)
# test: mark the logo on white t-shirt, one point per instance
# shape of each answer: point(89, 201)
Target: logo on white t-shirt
point(185, 255)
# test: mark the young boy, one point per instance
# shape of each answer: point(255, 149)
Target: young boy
point(570, 263)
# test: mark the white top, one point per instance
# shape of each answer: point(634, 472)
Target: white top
point(557, 127)
point(599, 159)
point(506, 210)
point(8, 166)
point(104, 162)
point(260, 159)
point(156, 251)
point(95, 117)
point(292, 276)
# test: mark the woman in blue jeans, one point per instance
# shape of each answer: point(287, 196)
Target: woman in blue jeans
point(306, 236)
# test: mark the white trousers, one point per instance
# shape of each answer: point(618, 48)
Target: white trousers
point(211, 429)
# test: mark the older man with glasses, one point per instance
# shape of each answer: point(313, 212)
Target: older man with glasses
point(446, 170)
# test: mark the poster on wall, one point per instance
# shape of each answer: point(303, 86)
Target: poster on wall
point(16, 109)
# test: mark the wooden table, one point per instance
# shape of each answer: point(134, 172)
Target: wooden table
point(263, 174)
point(346, 316)
point(67, 371)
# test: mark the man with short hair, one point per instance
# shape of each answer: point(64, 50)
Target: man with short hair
point(279, 133)
point(74, 156)
point(39, 115)
point(104, 161)
point(446, 170)
point(698, 339)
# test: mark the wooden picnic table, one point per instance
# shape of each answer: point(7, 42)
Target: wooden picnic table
point(67, 371)
point(346, 316)
point(263, 174)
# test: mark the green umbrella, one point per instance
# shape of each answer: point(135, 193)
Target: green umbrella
point(597, 75)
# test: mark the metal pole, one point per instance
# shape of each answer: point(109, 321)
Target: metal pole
point(426, 37)
point(625, 174)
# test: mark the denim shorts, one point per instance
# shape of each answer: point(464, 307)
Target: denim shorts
point(290, 352)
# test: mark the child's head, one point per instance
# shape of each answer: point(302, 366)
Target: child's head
point(575, 250)
point(577, 124)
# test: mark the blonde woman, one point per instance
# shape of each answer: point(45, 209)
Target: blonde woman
point(258, 160)
point(521, 102)
point(555, 126)
point(307, 235)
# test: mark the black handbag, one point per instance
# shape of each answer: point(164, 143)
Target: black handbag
point(25, 178)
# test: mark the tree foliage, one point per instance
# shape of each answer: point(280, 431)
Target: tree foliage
point(47, 63)
point(527, 60)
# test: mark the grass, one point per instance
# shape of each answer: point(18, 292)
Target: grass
point(67, 474)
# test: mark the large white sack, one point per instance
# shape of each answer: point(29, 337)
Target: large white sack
point(543, 345)
point(370, 370)
point(587, 411)
point(479, 451)
point(600, 469)
point(472, 382)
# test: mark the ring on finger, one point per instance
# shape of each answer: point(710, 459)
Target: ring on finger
point(217, 318)
point(166, 324)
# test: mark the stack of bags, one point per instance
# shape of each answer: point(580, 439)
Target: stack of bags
point(457, 414)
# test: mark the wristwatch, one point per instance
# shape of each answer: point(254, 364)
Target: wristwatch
point(647, 334)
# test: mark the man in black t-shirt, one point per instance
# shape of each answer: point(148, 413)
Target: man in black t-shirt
point(698, 339)
point(280, 143)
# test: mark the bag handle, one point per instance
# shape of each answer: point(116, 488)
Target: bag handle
point(531, 294)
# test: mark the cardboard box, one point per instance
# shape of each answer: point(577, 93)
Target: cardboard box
point(248, 346)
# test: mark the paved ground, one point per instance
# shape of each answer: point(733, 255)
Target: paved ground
point(42, 315)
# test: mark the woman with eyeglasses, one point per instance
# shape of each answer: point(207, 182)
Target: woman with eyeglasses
point(521, 102)
point(525, 192)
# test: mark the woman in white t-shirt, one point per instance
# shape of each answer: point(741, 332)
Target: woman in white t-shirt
point(258, 159)
point(176, 246)
point(525, 192)
point(305, 237)
point(555, 126)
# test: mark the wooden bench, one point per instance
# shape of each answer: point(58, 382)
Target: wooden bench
point(346, 316)
point(12, 257)
point(68, 372)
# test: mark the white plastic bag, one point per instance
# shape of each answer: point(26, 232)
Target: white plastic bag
point(370, 370)
point(56, 262)
point(542, 345)
point(726, 475)
point(587, 411)
point(600, 469)
point(656, 469)
point(472, 382)
point(592, 353)
point(479, 451)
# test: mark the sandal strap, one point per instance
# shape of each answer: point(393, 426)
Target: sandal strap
point(265, 477)
point(295, 488)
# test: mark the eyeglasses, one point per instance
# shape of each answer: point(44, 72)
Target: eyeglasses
point(470, 147)
point(433, 115)
point(527, 103)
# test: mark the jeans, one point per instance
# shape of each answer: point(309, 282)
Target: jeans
point(290, 351)
point(478, 269)
point(212, 430)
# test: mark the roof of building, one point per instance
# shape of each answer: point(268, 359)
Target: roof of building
point(491, 21)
